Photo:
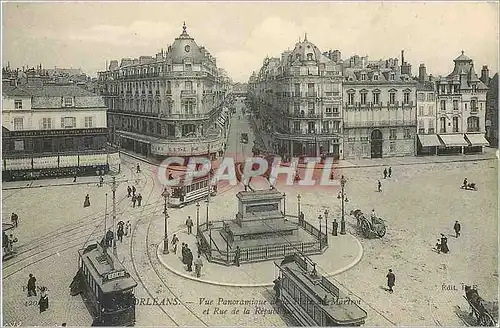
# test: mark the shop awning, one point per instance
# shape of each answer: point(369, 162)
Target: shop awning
point(429, 140)
point(476, 140)
point(453, 140)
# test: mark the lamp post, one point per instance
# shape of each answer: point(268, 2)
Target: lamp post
point(113, 189)
point(298, 205)
point(326, 223)
point(320, 218)
point(284, 204)
point(342, 222)
point(198, 218)
point(165, 195)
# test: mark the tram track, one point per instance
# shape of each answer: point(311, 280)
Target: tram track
point(43, 240)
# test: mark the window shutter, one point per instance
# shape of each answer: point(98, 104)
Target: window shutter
point(94, 121)
point(62, 122)
point(40, 123)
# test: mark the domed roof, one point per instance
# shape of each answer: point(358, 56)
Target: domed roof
point(185, 47)
point(462, 57)
point(306, 51)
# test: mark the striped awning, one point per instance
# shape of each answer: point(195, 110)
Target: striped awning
point(453, 140)
point(429, 140)
point(476, 140)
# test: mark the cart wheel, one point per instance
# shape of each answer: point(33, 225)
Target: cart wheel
point(365, 227)
point(381, 232)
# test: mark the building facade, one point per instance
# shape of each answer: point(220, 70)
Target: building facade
point(379, 108)
point(52, 130)
point(461, 98)
point(492, 111)
point(427, 141)
point(168, 105)
point(298, 99)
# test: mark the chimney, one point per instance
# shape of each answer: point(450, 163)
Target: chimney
point(402, 57)
point(485, 75)
point(431, 78)
point(363, 62)
point(422, 74)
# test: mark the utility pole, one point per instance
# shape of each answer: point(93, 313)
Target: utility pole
point(114, 185)
point(165, 195)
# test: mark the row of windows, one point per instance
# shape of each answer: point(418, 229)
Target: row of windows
point(197, 186)
point(305, 302)
point(472, 124)
point(421, 96)
point(473, 104)
point(328, 126)
point(91, 282)
point(47, 123)
point(66, 102)
point(376, 98)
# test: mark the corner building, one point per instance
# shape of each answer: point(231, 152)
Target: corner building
point(298, 99)
point(461, 98)
point(379, 108)
point(167, 105)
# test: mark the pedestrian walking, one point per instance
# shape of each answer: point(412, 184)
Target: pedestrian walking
point(133, 190)
point(183, 253)
point(189, 225)
point(74, 178)
point(237, 255)
point(390, 172)
point(101, 181)
point(129, 191)
point(138, 170)
point(335, 227)
point(277, 289)
point(175, 241)
point(86, 203)
point(134, 199)
point(198, 263)
point(385, 173)
point(44, 300)
point(120, 233)
point(127, 228)
point(14, 219)
point(444, 244)
point(391, 279)
point(457, 228)
point(379, 186)
point(189, 259)
point(31, 285)
point(109, 238)
point(139, 199)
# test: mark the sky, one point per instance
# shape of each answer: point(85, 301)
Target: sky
point(241, 34)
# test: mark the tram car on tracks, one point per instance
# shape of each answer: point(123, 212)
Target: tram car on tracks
point(108, 289)
point(194, 190)
point(8, 241)
point(313, 300)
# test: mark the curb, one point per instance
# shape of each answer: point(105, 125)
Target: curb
point(216, 283)
point(53, 185)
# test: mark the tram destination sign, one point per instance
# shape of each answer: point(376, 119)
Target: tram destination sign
point(115, 275)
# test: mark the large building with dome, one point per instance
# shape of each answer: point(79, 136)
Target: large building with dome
point(172, 104)
point(298, 98)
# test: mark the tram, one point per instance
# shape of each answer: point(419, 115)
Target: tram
point(197, 189)
point(314, 300)
point(107, 287)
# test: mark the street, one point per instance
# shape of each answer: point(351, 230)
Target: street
point(418, 203)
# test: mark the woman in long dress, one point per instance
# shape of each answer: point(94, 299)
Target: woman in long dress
point(86, 203)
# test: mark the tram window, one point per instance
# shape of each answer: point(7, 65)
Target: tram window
point(310, 307)
point(303, 300)
point(285, 283)
point(317, 316)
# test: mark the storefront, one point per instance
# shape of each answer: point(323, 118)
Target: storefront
point(452, 144)
point(428, 144)
point(476, 142)
point(297, 146)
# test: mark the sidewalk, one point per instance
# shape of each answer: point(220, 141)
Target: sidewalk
point(263, 138)
point(343, 253)
point(91, 180)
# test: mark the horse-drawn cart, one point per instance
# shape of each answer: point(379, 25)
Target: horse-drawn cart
point(371, 228)
point(486, 312)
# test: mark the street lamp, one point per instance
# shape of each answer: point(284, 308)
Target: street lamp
point(320, 218)
point(284, 204)
point(165, 195)
point(198, 218)
point(342, 222)
point(326, 223)
point(298, 205)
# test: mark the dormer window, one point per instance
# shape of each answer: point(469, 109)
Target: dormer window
point(309, 56)
point(68, 102)
point(375, 77)
point(363, 77)
point(392, 76)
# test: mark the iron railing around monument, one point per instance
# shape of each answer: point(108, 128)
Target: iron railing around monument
point(258, 253)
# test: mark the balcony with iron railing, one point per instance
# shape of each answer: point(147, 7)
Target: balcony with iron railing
point(382, 123)
point(473, 129)
point(474, 110)
point(188, 93)
point(332, 114)
point(311, 94)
